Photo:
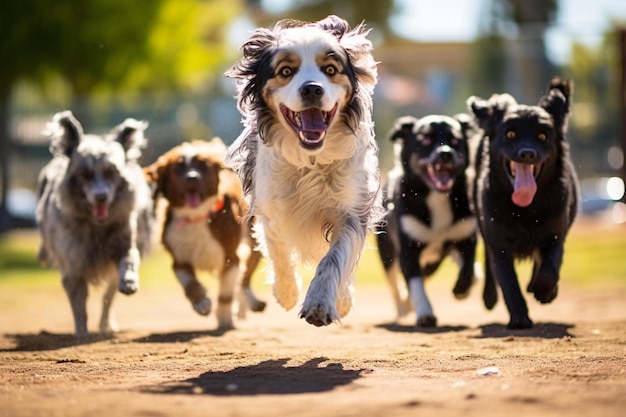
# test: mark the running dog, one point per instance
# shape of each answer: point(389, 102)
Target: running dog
point(94, 212)
point(307, 156)
point(429, 212)
point(203, 227)
point(525, 193)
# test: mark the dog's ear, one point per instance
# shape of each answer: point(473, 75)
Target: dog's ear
point(467, 124)
point(488, 113)
point(557, 102)
point(129, 134)
point(66, 133)
point(156, 176)
point(403, 128)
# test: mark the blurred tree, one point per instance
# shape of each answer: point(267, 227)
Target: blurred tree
point(518, 66)
point(375, 13)
point(106, 46)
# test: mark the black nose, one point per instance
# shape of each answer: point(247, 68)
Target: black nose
point(311, 90)
point(100, 198)
point(527, 155)
point(192, 176)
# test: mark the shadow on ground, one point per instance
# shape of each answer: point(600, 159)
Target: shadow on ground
point(267, 377)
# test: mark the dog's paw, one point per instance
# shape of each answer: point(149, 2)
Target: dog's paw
point(462, 288)
point(202, 307)
point(427, 321)
point(546, 295)
point(109, 327)
point(520, 322)
point(129, 282)
point(286, 293)
point(318, 314)
point(254, 303)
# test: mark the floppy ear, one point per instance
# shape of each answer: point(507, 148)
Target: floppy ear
point(403, 128)
point(156, 177)
point(66, 133)
point(557, 102)
point(129, 134)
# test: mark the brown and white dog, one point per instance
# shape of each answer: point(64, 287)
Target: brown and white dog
point(205, 227)
point(307, 156)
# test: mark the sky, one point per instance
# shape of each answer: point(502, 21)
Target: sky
point(459, 20)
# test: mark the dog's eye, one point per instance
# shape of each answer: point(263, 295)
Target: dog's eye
point(542, 136)
point(108, 172)
point(285, 72)
point(330, 70)
point(510, 134)
point(87, 175)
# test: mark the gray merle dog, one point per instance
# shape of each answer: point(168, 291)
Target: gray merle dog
point(94, 212)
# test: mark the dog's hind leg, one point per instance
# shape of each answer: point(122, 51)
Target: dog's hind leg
point(194, 290)
point(76, 290)
point(247, 299)
point(107, 321)
point(330, 286)
point(465, 257)
point(228, 282)
point(490, 292)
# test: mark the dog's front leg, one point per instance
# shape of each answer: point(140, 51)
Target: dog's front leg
point(466, 278)
point(228, 280)
point(107, 322)
point(129, 264)
point(76, 290)
point(286, 281)
point(194, 290)
point(330, 294)
point(544, 283)
point(502, 263)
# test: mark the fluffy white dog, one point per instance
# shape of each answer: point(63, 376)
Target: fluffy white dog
point(307, 157)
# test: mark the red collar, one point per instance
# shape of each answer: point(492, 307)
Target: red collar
point(217, 207)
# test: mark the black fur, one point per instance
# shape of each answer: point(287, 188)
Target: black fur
point(535, 225)
point(423, 147)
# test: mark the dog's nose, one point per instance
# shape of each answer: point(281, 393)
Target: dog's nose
point(100, 198)
point(445, 154)
point(311, 90)
point(527, 155)
point(192, 176)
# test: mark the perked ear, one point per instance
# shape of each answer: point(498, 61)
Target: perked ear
point(466, 122)
point(488, 113)
point(66, 133)
point(129, 134)
point(403, 128)
point(557, 102)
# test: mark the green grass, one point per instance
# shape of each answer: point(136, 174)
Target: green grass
point(595, 254)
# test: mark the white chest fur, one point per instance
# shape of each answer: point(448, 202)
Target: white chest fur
point(442, 227)
point(193, 243)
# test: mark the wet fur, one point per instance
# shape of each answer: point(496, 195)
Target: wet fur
point(87, 170)
point(311, 205)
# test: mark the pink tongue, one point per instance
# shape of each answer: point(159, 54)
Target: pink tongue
point(525, 186)
point(312, 120)
point(192, 199)
point(100, 212)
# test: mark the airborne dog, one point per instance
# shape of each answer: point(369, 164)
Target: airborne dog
point(204, 227)
point(307, 156)
point(429, 214)
point(525, 193)
point(94, 212)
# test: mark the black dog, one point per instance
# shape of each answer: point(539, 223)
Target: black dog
point(525, 192)
point(429, 213)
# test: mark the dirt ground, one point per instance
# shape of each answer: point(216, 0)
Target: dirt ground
point(167, 361)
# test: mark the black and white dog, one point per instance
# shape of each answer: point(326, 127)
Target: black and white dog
point(307, 157)
point(429, 214)
point(94, 212)
point(525, 193)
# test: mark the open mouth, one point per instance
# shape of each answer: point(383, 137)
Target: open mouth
point(100, 211)
point(523, 178)
point(441, 176)
point(193, 199)
point(310, 125)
